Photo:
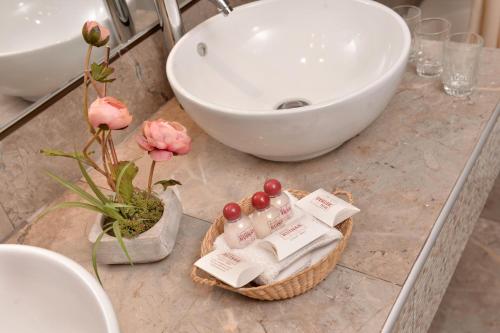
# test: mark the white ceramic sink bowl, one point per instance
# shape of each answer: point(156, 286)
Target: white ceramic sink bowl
point(344, 57)
point(44, 292)
point(41, 46)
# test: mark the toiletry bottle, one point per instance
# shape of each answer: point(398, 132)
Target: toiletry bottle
point(265, 218)
point(238, 230)
point(278, 199)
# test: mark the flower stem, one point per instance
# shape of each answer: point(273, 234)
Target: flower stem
point(105, 154)
point(86, 89)
point(86, 154)
point(112, 148)
point(106, 62)
point(150, 180)
point(111, 162)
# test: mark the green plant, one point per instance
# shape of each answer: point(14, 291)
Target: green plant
point(127, 210)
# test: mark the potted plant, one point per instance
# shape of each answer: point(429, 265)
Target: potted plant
point(133, 225)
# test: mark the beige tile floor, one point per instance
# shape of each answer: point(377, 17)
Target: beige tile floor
point(472, 301)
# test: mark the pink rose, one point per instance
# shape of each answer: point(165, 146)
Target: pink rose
point(163, 139)
point(110, 112)
point(95, 34)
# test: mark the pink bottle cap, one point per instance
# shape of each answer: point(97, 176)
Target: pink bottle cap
point(232, 211)
point(260, 200)
point(272, 187)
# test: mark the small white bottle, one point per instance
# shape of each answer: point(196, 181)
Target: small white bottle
point(279, 199)
point(238, 230)
point(265, 218)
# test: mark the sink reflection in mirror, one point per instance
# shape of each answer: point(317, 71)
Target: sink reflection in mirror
point(41, 48)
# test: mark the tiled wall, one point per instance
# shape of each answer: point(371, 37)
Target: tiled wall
point(141, 83)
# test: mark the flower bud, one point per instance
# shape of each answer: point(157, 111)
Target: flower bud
point(95, 34)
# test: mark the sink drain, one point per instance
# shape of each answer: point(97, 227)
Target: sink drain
point(292, 104)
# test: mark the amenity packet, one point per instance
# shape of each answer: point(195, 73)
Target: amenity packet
point(229, 268)
point(294, 235)
point(326, 207)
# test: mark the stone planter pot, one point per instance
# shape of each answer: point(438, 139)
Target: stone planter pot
point(152, 245)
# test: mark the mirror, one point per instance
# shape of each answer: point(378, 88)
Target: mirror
point(42, 50)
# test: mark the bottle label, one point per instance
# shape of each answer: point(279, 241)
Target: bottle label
point(285, 210)
point(247, 235)
point(276, 223)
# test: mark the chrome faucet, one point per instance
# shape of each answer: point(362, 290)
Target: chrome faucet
point(171, 20)
point(223, 6)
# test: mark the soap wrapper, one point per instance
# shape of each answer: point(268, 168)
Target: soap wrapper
point(293, 236)
point(326, 207)
point(229, 268)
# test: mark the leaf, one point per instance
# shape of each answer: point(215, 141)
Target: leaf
point(76, 189)
point(100, 72)
point(167, 183)
point(118, 205)
point(126, 173)
point(92, 185)
point(94, 252)
point(59, 153)
point(69, 204)
point(111, 212)
point(118, 235)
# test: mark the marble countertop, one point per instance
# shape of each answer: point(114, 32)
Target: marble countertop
point(400, 170)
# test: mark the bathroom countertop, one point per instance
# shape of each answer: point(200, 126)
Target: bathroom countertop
point(404, 171)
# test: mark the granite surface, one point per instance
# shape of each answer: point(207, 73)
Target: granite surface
point(400, 170)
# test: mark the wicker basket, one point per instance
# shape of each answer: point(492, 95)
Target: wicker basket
point(290, 287)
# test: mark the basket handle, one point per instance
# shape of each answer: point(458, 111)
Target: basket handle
point(196, 278)
point(344, 193)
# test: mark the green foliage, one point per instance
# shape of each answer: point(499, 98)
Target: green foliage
point(126, 173)
point(101, 72)
point(94, 252)
point(140, 216)
point(59, 153)
point(138, 212)
point(167, 183)
point(92, 185)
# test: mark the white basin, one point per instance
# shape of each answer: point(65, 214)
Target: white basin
point(343, 57)
point(41, 45)
point(44, 292)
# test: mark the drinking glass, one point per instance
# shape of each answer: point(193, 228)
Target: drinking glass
point(412, 16)
point(429, 39)
point(461, 62)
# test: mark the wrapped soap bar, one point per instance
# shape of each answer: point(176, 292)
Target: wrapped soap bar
point(229, 268)
point(326, 207)
point(293, 236)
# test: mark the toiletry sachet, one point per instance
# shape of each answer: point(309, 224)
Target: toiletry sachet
point(229, 268)
point(273, 269)
point(326, 207)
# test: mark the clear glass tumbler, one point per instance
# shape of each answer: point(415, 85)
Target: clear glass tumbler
point(461, 62)
point(412, 16)
point(429, 41)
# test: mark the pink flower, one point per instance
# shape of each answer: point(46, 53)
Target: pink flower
point(110, 112)
point(163, 139)
point(95, 34)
